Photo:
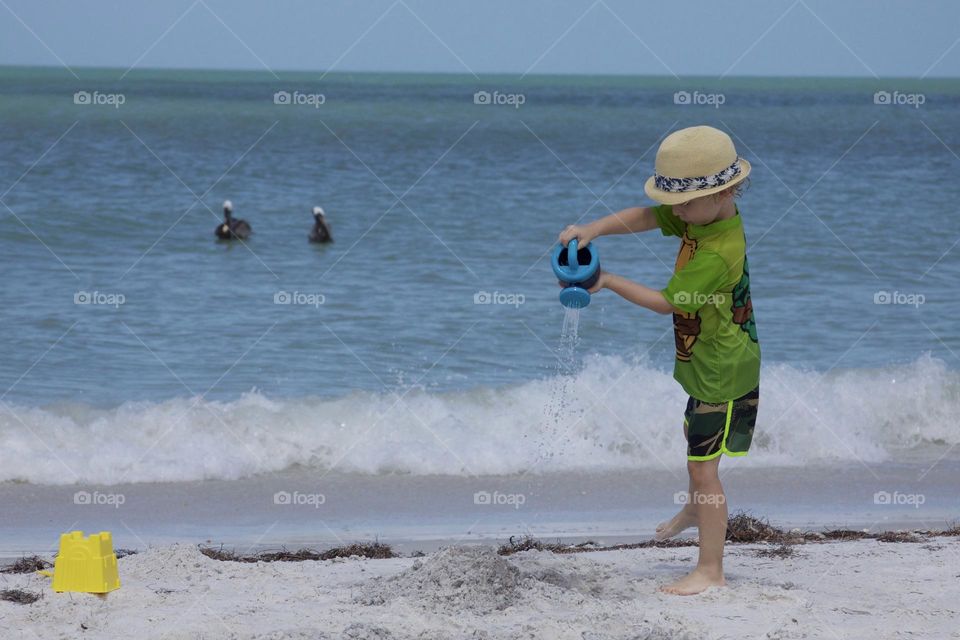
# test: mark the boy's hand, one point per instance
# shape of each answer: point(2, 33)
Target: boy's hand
point(601, 283)
point(583, 234)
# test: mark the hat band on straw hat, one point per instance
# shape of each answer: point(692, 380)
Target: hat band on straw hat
point(680, 185)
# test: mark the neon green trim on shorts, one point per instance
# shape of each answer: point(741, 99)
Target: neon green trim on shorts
point(704, 458)
point(726, 427)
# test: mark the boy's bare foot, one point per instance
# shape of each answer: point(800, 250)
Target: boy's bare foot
point(675, 525)
point(694, 582)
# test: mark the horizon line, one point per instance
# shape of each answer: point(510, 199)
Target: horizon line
point(519, 74)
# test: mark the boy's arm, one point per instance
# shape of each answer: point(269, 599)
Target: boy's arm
point(689, 289)
point(634, 292)
point(630, 220)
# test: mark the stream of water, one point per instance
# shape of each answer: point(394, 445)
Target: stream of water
point(560, 413)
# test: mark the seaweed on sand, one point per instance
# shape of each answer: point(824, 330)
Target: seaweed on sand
point(375, 550)
point(19, 596)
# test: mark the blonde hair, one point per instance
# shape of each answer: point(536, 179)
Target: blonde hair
point(736, 190)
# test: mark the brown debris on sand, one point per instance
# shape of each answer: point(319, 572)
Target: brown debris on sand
point(898, 536)
point(374, 550)
point(27, 564)
point(745, 528)
point(780, 551)
point(19, 596)
point(527, 543)
point(845, 534)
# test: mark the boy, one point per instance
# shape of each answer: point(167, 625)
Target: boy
point(717, 353)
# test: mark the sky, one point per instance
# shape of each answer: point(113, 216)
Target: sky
point(884, 38)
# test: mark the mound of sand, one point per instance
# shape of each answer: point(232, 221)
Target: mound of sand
point(465, 578)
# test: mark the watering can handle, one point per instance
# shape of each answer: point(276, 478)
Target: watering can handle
point(572, 254)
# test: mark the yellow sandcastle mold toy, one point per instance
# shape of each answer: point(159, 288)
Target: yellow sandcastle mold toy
point(85, 565)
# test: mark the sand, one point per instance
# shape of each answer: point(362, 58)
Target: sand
point(860, 589)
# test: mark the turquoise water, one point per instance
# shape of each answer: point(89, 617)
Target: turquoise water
point(434, 202)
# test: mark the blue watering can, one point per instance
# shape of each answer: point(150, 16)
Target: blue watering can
point(578, 269)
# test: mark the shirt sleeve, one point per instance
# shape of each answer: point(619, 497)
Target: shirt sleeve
point(691, 287)
point(670, 225)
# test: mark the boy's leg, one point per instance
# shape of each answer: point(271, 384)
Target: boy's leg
point(713, 429)
point(711, 508)
point(685, 518)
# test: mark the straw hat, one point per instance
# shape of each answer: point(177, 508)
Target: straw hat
point(695, 162)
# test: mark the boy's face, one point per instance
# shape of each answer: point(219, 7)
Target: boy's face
point(703, 210)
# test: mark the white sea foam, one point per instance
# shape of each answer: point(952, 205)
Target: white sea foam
point(625, 415)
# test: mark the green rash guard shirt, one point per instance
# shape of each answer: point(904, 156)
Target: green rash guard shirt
point(717, 350)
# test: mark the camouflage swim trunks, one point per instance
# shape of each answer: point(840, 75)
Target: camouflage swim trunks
point(726, 427)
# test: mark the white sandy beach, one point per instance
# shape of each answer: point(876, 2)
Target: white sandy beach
point(860, 589)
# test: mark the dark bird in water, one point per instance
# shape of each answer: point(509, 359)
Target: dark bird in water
point(321, 228)
point(232, 228)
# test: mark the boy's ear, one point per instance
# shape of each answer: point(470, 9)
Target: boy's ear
point(726, 193)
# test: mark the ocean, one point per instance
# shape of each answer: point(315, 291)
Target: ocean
point(424, 340)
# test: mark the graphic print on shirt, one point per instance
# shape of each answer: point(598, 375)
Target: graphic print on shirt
point(686, 326)
point(742, 306)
